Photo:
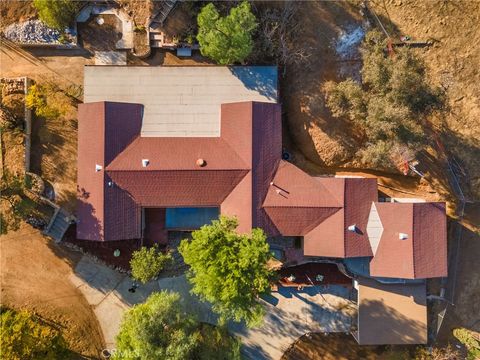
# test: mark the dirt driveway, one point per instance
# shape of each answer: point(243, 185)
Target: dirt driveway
point(35, 276)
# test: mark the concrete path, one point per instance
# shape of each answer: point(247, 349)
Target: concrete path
point(290, 313)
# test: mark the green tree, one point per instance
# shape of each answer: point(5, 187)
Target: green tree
point(57, 14)
point(229, 269)
point(24, 336)
point(227, 39)
point(147, 263)
point(160, 328)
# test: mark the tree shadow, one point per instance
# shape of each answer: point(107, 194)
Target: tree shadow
point(262, 79)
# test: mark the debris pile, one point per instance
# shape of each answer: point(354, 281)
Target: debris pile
point(35, 32)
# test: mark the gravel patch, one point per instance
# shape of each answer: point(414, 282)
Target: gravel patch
point(36, 32)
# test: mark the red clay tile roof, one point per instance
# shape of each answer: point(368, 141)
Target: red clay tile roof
point(254, 131)
point(360, 193)
point(177, 153)
point(424, 253)
point(170, 188)
point(321, 209)
point(103, 212)
point(239, 167)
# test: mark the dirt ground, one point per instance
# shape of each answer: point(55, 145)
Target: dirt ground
point(452, 63)
point(95, 37)
point(54, 142)
point(34, 276)
point(465, 310)
point(341, 347)
point(312, 133)
point(13, 11)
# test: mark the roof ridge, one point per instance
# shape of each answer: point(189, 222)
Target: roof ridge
point(236, 153)
point(135, 139)
point(321, 221)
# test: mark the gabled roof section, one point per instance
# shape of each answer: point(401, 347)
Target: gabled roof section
point(254, 131)
point(413, 244)
point(359, 194)
point(332, 236)
point(296, 202)
point(291, 187)
point(104, 130)
point(177, 154)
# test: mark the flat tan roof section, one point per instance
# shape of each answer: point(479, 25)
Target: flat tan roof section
point(180, 101)
point(391, 314)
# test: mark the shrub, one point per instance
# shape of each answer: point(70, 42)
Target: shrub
point(57, 14)
point(228, 39)
point(229, 269)
point(390, 104)
point(25, 336)
point(147, 263)
point(47, 100)
point(471, 342)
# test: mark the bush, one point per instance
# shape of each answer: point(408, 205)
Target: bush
point(471, 342)
point(147, 263)
point(12, 111)
point(47, 100)
point(24, 336)
point(229, 269)
point(228, 39)
point(161, 329)
point(390, 104)
point(57, 14)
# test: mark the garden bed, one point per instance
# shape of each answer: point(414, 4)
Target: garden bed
point(103, 250)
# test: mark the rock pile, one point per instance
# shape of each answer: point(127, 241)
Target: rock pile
point(33, 32)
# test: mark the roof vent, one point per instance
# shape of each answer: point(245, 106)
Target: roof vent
point(201, 162)
point(402, 236)
point(145, 162)
point(352, 228)
point(98, 167)
point(110, 184)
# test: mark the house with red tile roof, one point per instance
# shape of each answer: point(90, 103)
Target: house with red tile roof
point(185, 144)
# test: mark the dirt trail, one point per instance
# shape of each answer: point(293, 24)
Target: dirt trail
point(34, 276)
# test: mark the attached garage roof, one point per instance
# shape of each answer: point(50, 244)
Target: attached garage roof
point(391, 313)
point(180, 100)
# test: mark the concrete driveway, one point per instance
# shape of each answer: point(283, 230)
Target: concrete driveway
point(290, 313)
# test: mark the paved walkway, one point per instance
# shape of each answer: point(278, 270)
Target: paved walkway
point(290, 313)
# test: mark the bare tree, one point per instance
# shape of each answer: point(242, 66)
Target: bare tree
point(279, 35)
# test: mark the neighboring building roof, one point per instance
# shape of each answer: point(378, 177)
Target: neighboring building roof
point(391, 314)
point(180, 101)
point(413, 241)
